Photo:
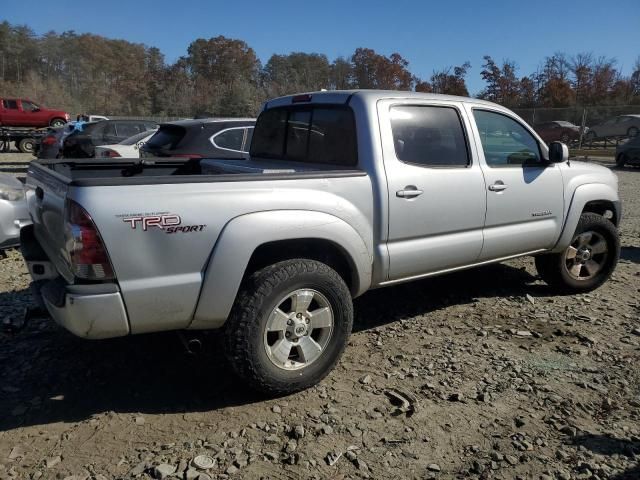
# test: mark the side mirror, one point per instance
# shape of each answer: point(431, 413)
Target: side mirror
point(558, 152)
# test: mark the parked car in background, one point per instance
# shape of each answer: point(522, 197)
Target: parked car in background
point(20, 112)
point(82, 143)
point(129, 148)
point(205, 138)
point(620, 126)
point(629, 153)
point(14, 213)
point(558, 131)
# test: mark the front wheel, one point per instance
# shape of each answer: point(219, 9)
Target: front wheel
point(588, 261)
point(621, 161)
point(289, 326)
point(57, 122)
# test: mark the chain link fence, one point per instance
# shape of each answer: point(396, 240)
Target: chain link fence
point(587, 118)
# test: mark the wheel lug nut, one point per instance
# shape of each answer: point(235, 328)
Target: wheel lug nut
point(307, 320)
point(289, 322)
point(287, 334)
point(299, 315)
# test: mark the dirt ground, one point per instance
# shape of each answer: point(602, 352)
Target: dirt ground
point(484, 374)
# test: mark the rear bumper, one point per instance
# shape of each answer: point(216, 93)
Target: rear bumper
point(92, 311)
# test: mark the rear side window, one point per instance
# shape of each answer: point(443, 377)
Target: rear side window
point(135, 139)
point(10, 104)
point(429, 136)
point(166, 138)
point(129, 129)
point(310, 134)
point(229, 139)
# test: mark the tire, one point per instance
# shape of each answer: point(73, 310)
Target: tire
point(632, 132)
point(260, 356)
point(58, 122)
point(27, 145)
point(562, 271)
point(621, 160)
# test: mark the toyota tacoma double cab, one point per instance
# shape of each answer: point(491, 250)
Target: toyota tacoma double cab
point(343, 192)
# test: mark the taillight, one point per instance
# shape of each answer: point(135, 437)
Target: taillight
point(49, 140)
point(110, 154)
point(88, 257)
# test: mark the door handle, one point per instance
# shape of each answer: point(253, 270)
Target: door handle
point(499, 186)
point(410, 191)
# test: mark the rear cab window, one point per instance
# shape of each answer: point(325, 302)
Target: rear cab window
point(324, 134)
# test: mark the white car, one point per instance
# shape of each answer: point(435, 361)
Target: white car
point(129, 148)
point(13, 211)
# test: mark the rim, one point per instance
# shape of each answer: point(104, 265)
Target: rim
point(586, 256)
point(298, 329)
point(28, 147)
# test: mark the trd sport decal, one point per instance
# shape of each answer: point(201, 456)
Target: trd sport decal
point(169, 223)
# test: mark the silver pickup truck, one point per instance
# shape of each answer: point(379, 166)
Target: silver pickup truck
point(343, 192)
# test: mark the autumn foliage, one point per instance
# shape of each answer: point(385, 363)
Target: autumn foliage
point(223, 76)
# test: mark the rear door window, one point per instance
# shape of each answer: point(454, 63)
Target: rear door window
point(126, 129)
point(310, 134)
point(229, 139)
point(430, 136)
point(247, 140)
point(10, 104)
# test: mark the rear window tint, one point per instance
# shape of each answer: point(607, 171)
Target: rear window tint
point(229, 139)
point(166, 138)
point(311, 134)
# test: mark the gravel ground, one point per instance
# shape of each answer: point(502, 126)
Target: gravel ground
point(485, 374)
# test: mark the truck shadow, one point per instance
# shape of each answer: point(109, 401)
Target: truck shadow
point(609, 446)
point(50, 376)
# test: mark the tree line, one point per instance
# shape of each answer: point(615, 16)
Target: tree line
point(222, 76)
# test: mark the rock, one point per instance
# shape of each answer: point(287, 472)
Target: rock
point(519, 422)
point(138, 469)
point(366, 380)
point(271, 456)
point(191, 474)
point(531, 299)
point(232, 470)
point(272, 440)
point(139, 420)
point(524, 333)
point(53, 461)
point(276, 409)
point(456, 397)
point(433, 467)
point(636, 331)
point(163, 471)
point(203, 462)
point(361, 465)
point(511, 459)
point(326, 429)
point(332, 458)
point(350, 455)
point(298, 432)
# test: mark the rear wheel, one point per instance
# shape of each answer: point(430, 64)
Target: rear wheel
point(57, 122)
point(289, 326)
point(27, 145)
point(588, 261)
point(621, 160)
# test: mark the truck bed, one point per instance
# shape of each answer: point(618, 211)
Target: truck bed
point(150, 171)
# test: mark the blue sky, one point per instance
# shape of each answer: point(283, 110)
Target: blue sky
point(430, 34)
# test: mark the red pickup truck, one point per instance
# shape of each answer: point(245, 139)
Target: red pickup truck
point(20, 112)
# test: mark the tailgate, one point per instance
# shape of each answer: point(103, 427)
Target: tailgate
point(46, 193)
